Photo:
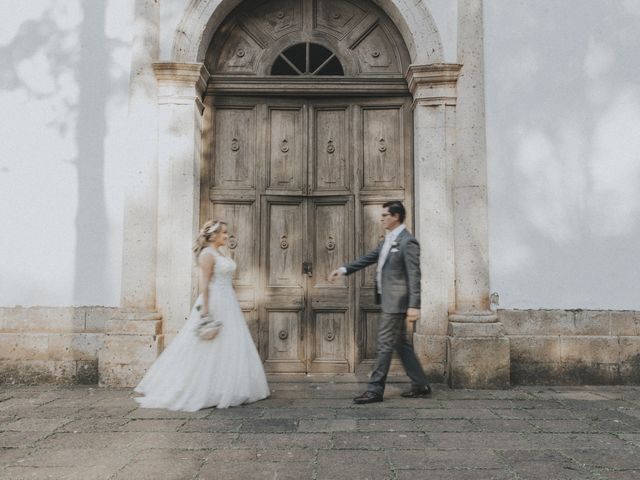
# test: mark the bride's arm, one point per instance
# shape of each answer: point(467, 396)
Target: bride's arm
point(206, 263)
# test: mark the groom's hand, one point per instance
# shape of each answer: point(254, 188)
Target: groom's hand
point(413, 314)
point(333, 276)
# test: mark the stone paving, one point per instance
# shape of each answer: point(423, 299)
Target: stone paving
point(309, 429)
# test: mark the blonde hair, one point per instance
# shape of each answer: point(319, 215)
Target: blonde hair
point(208, 230)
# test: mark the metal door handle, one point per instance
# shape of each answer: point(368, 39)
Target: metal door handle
point(307, 269)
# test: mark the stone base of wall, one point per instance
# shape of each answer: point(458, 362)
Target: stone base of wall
point(547, 347)
point(573, 347)
point(51, 344)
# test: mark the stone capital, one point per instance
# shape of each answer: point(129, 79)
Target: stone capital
point(181, 83)
point(433, 84)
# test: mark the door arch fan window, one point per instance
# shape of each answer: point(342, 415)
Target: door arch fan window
point(307, 59)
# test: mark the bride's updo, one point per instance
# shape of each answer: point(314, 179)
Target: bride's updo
point(208, 230)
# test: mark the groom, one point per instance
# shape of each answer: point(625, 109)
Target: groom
point(398, 290)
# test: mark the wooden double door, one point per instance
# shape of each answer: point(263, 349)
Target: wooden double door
point(301, 183)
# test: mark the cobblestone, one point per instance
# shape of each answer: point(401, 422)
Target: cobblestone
point(309, 429)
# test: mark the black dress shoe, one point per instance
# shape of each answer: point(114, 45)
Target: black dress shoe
point(417, 392)
point(368, 397)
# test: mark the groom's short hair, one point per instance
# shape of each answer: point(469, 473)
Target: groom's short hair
point(395, 207)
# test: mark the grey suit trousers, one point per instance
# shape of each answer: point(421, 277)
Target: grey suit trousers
point(393, 335)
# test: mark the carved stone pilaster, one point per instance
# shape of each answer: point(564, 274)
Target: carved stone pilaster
point(181, 87)
point(434, 91)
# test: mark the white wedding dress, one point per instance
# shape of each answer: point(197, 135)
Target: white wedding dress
point(192, 373)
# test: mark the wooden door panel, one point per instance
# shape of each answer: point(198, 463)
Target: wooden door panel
point(330, 150)
point(331, 238)
point(240, 218)
point(284, 254)
point(286, 161)
point(330, 323)
point(383, 148)
point(235, 148)
point(284, 287)
point(304, 181)
point(285, 351)
point(329, 352)
point(371, 234)
point(241, 221)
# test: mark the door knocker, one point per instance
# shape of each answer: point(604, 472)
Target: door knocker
point(331, 243)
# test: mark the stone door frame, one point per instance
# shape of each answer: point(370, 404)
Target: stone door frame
point(449, 175)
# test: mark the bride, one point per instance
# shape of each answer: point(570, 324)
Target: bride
point(192, 373)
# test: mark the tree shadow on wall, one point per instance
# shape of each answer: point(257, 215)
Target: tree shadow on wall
point(76, 59)
point(563, 106)
point(91, 218)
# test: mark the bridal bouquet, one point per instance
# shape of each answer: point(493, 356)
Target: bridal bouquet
point(208, 328)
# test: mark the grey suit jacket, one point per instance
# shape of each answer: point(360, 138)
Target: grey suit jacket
point(400, 287)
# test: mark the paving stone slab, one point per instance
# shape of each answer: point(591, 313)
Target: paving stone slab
point(210, 425)
point(186, 441)
point(618, 475)
point(140, 413)
point(512, 457)
point(100, 440)
point(20, 439)
point(480, 440)
point(503, 425)
point(618, 458)
point(565, 426)
point(269, 425)
point(376, 411)
point(352, 464)
point(321, 425)
point(576, 440)
point(435, 459)
point(171, 465)
point(35, 424)
point(285, 455)
point(280, 440)
point(541, 413)
point(455, 413)
point(380, 440)
point(9, 456)
point(555, 471)
point(56, 473)
point(455, 475)
point(164, 425)
point(74, 457)
point(256, 470)
point(300, 412)
point(94, 425)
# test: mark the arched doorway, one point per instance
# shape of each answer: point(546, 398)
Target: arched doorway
point(307, 130)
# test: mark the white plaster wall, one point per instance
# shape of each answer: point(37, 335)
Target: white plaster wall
point(63, 104)
point(171, 12)
point(563, 128)
point(445, 16)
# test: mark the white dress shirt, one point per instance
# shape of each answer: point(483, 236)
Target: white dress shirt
point(384, 252)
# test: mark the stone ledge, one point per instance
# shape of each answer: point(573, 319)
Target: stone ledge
point(571, 322)
point(54, 319)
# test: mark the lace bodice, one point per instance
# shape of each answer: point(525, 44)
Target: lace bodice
point(223, 270)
